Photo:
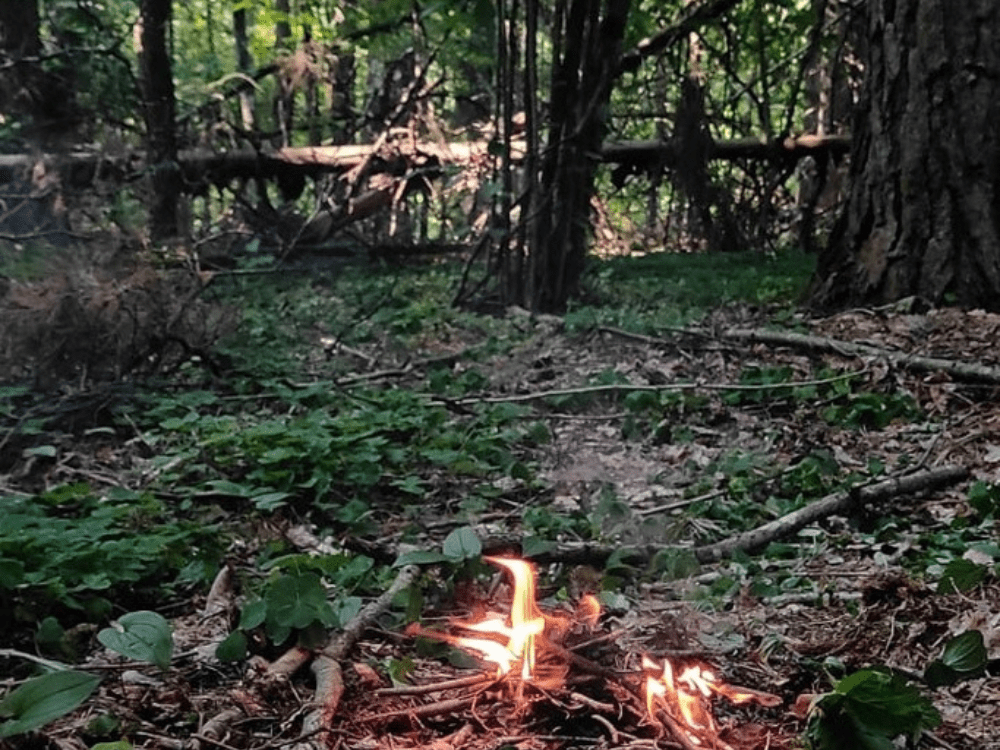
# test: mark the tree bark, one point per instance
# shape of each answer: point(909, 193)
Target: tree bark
point(589, 43)
point(923, 214)
point(244, 64)
point(44, 94)
point(156, 80)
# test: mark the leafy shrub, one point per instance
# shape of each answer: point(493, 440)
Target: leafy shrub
point(72, 550)
point(867, 710)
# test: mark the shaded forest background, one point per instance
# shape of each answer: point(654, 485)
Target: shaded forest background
point(522, 133)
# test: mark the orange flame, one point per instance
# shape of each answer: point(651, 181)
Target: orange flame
point(686, 698)
point(526, 624)
point(589, 610)
point(683, 695)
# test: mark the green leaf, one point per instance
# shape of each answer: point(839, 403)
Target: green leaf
point(462, 544)
point(420, 557)
point(295, 601)
point(43, 699)
point(961, 575)
point(535, 545)
point(253, 614)
point(410, 485)
point(11, 573)
point(401, 669)
point(144, 636)
point(269, 501)
point(225, 487)
point(964, 657)
point(867, 710)
point(985, 498)
point(233, 648)
point(346, 609)
point(119, 745)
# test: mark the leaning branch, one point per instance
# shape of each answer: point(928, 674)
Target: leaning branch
point(838, 502)
point(754, 540)
point(960, 370)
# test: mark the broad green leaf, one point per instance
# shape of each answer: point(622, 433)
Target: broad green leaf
point(270, 500)
point(254, 613)
point(535, 545)
point(462, 544)
point(233, 648)
point(119, 745)
point(43, 699)
point(346, 609)
point(961, 575)
point(295, 601)
point(964, 656)
point(144, 636)
point(11, 573)
point(868, 709)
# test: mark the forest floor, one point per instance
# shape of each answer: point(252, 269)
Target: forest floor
point(657, 468)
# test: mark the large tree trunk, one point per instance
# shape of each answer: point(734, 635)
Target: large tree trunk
point(156, 79)
point(923, 215)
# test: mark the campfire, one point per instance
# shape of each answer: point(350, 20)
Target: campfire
point(529, 654)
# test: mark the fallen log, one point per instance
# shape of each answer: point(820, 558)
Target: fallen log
point(201, 167)
point(837, 503)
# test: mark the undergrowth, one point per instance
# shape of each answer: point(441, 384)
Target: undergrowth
point(289, 433)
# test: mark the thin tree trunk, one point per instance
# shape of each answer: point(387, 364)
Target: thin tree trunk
point(157, 83)
point(244, 64)
point(589, 45)
point(284, 99)
point(923, 215)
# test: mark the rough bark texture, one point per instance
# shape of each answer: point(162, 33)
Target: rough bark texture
point(923, 216)
point(157, 83)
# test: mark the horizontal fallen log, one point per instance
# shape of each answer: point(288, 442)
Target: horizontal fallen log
point(203, 167)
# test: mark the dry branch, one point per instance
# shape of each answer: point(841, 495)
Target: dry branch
point(593, 390)
point(326, 665)
point(958, 370)
point(838, 502)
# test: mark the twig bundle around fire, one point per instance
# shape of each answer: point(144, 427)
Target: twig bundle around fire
point(545, 676)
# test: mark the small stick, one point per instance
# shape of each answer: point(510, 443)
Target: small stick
point(431, 709)
point(436, 687)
